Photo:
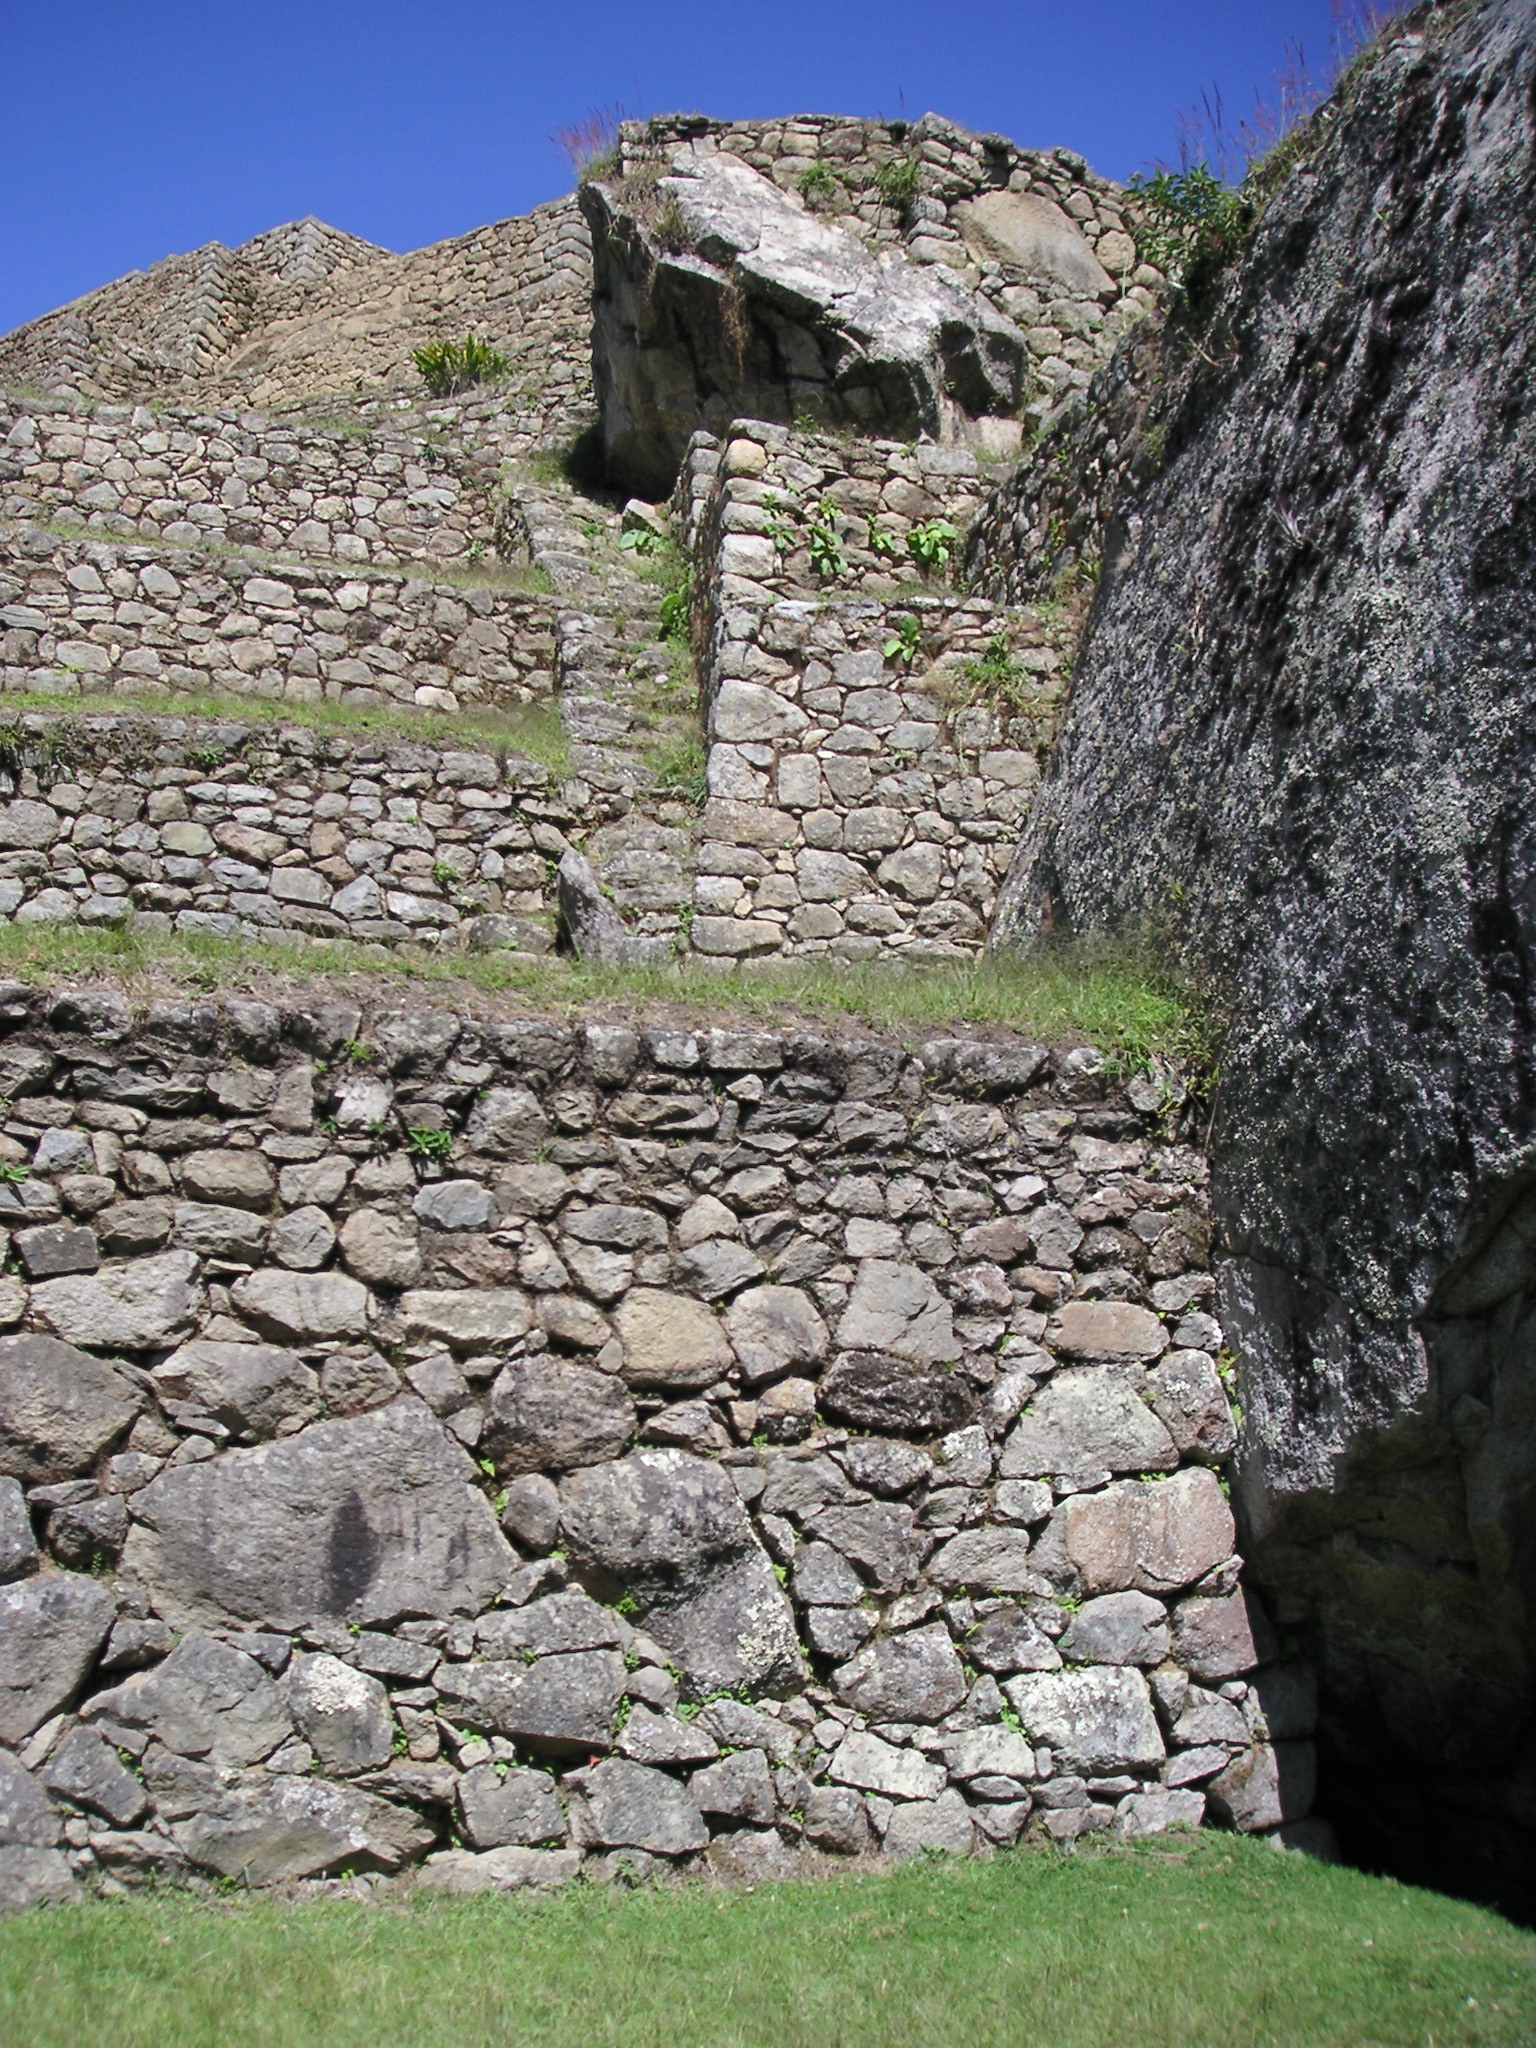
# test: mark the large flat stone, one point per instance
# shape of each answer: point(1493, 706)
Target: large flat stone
point(671, 1340)
point(915, 1676)
point(59, 1409)
point(468, 1319)
point(371, 1519)
point(896, 1308)
point(306, 1308)
point(244, 1386)
point(1096, 1721)
point(1157, 1535)
point(631, 1806)
point(775, 1330)
point(290, 1828)
point(670, 1530)
point(1087, 1419)
point(878, 1390)
point(133, 1307)
point(559, 1706)
point(50, 1631)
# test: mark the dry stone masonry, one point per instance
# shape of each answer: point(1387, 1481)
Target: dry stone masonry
point(492, 1450)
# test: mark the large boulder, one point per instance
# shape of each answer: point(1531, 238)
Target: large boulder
point(1304, 706)
point(716, 294)
point(371, 1519)
point(670, 1531)
point(60, 1409)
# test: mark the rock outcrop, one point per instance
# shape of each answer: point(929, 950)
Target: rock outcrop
point(1305, 704)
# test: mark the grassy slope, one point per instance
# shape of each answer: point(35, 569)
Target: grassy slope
point(1223, 1943)
point(1131, 1009)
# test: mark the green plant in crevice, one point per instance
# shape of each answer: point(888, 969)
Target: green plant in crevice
point(448, 367)
point(1193, 224)
point(429, 1141)
point(672, 613)
point(1002, 677)
point(897, 183)
point(827, 558)
point(816, 185)
point(931, 544)
point(679, 771)
point(883, 543)
point(902, 645)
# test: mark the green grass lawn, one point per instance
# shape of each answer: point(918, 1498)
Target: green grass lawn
point(1224, 1942)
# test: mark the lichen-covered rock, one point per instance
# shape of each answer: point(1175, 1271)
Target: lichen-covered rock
point(1097, 1721)
point(342, 1713)
point(369, 1519)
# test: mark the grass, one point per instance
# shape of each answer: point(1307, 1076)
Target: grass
point(1220, 1944)
point(1119, 1002)
point(533, 730)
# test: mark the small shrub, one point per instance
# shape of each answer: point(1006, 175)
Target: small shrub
point(672, 613)
point(450, 366)
point(1193, 223)
point(932, 543)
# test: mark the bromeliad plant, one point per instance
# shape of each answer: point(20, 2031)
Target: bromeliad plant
point(450, 366)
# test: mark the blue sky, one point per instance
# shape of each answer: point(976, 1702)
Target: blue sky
point(131, 131)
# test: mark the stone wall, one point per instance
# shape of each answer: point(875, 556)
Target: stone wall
point(418, 485)
point(602, 1446)
point(86, 616)
point(866, 780)
point(197, 826)
point(305, 314)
